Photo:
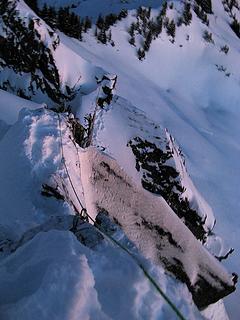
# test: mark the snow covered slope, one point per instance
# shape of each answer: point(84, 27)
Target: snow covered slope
point(192, 88)
point(188, 83)
point(34, 62)
point(42, 263)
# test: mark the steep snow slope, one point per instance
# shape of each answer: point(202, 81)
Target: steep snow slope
point(11, 105)
point(48, 265)
point(35, 64)
point(156, 85)
point(155, 229)
point(182, 87)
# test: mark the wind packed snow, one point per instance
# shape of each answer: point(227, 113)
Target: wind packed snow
point(183, 87)
point(179, 86)
point(53, 266)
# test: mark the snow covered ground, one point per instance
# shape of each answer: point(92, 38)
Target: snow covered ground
point(181, 86)
point(52, 266)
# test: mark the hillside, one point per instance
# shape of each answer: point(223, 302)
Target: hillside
point(134, 116)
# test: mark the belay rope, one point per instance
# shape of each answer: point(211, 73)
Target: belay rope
point(85, 214)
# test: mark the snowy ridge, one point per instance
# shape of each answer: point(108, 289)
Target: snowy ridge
point(151, 224)
point(81, 271)
point(123, 118)
point(52, 73)
point(133, 175)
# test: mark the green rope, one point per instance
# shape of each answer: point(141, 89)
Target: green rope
point(117, 243)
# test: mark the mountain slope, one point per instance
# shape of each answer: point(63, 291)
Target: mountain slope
point(186, 82)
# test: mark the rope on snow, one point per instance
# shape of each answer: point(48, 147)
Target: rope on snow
point(84, 214)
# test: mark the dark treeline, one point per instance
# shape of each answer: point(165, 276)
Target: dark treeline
point(73, 25)
point(62, 19)
point(103, 31)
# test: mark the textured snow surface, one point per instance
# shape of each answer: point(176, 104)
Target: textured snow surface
point(107, 187)
point(116, 125)
point(10, 106)
point(52, 275)
point(180, 87)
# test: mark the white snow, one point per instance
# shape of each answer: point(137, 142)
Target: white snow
point(181, 88)
point(10, 106)
point(178, 85)
point(53, 267)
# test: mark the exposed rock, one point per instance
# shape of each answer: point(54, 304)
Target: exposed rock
point(159, 176)
point(149, 222)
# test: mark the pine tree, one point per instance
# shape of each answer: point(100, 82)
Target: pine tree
point(123, 14)
point(235, 25)
point(187, 14)
point(109, 36)
point(52, 17)
point(148, 41)
point(102, 37)
point(141, 54)
point(100, 22)
point(33, 4)
point(132, 40)
point(201, 14)
point(44, 12)
point(164, 9)
point(87, 24)
point(206, 5)
point(131, 29)
point(149, 12)
point(171, 29)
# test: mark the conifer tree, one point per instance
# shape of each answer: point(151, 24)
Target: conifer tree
point(100, 22)
point(132, 40)
point(148, 41)
point(206, 5)
point(141, 54)
point(187, 14)
point(171, 29)
point(33, 4)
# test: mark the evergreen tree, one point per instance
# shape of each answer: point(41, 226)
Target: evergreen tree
point(100, 22)
point(33, 4)
point(52, 17)
point(201, 14)
point(44, 12)
point(235, 25)
point(148, 41)
point(171, 29)
point(110, 19)
point(187, 14)
point(149, 12)
point(206, 5)
point(102, 37)
point(132, 40)
point(207, 36)
point(164, 9)
point(87, 24)
point(109, 36)
point(131, 29)
point(141, 54)
point(123, 14)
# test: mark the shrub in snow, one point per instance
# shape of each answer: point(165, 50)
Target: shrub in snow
point(235, 25)
point(224, 49)
point(141, 54)
point(207, 36)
